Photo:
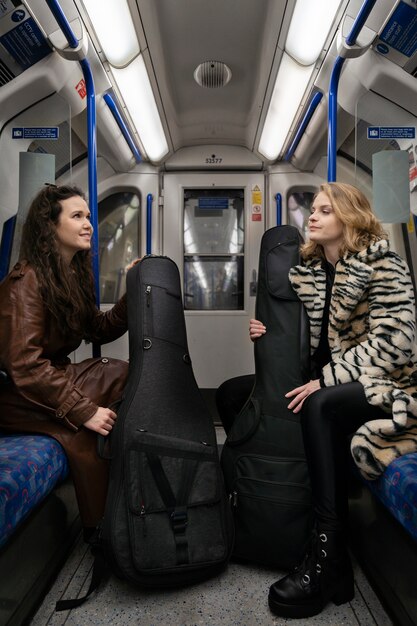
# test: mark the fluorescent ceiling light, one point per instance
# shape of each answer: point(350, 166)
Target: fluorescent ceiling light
point(137, 94)
point(309, 28)
point(114, 28)
point(289, 89)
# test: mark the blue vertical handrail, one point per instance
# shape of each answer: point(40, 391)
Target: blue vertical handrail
point(6, 245)
point(91, 145)
point(278, 200)
point(121, 123)
point(315, 101)
point(359, 22)
point(92, 170)
point(63, 23)
point(332, 125)
point(91, 135)
point(149, 199)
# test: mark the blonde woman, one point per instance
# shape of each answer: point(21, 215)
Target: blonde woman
point(359, 299)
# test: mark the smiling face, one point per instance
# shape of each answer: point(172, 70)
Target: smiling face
point(74, 229)
point(324, 227)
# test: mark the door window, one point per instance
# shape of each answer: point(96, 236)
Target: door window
point(213, 249)
point(298, 210)
point(119, 229)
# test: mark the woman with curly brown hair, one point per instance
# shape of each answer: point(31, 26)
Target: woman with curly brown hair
point(47, 309)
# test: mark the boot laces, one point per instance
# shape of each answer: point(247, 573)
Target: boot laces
point(323, 539)
point(310, 565)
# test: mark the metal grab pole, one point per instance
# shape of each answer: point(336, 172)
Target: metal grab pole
point(359, 22)
point(278, 200)
point(315, 101)
point(332, 120)
point(91, 145)
point(92, 170)
point(149, 199)
point(6, 245)
point(121, 123)
point(91, 135)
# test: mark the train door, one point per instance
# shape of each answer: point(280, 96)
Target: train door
point(212, 228)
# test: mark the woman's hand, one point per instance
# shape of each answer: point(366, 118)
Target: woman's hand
point(129, 267)
point(102, 421)
point(300, 394)
point(256, 329)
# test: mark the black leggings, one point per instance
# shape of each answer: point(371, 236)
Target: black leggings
point(328, 417)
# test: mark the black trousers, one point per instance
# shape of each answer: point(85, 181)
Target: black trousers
point(328, 418)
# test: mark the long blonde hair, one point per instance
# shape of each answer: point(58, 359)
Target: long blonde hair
point(360, 225)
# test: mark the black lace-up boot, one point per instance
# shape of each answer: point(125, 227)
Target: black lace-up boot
point(325, 574)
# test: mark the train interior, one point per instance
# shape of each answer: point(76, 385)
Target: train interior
point(193, 127)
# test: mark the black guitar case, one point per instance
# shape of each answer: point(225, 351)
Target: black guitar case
point(263, 458)
point(167, 520)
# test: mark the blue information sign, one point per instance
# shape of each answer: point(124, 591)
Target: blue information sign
point(401, 30)
point(391, 132)
point(213, 203)
point(24, 42)
point(36, 132)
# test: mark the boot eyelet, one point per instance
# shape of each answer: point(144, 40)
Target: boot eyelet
point(318, 568)
point(323, 537)
point(323, 554)
point(306, 579)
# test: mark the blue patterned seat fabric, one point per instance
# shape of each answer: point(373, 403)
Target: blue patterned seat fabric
point(30, 466)
point(397, 490)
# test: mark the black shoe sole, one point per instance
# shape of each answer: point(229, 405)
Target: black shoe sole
point(294, 610)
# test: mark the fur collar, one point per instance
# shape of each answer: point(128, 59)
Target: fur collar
point(352, 276)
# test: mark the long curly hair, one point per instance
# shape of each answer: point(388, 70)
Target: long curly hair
point(360, 225)
point(67, 290)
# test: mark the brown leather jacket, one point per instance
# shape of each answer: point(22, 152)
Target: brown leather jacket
point(48, 394)
point(35, 355)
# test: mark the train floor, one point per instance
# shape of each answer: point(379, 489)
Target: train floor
point(237, 597)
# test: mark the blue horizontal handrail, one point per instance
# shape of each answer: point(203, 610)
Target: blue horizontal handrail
point(359, 22)
point(315, 101)
point(121, 123)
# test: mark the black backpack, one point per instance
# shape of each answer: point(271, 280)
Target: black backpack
point(263, 458)
point(167, 519)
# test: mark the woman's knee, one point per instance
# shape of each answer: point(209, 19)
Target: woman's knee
point(343, 405)
point(231, 396)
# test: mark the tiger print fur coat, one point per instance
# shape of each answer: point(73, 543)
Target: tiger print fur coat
point(372, 340)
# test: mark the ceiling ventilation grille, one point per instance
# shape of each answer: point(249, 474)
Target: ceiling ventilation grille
point(212, 74)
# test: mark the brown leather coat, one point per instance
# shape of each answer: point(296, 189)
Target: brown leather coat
point(48, 394)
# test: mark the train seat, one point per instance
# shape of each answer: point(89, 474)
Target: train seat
point(397, 490)
point(39, 521)
point(30, 467)
point(383, 535)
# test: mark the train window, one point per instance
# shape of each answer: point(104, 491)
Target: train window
point(213, 249)
point(119, 226)
point(298, 210)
